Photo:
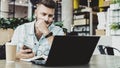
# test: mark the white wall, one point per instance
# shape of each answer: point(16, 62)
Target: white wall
point(67, 14)
point(4, 8)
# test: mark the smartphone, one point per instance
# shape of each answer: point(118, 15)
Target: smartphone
point(26, 47)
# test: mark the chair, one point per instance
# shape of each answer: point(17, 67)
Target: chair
point(107, 50)
point(2, 52)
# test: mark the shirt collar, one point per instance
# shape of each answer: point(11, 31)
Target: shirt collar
point(31, 26)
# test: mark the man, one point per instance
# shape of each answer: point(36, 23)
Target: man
point(37, 35)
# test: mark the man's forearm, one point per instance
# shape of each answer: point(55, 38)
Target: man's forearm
point(50, 40)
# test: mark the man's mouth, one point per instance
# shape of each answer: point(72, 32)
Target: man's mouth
point(46, 22)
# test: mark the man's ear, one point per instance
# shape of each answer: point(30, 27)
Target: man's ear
point(35, 13)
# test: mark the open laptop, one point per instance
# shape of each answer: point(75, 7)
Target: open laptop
point(71, 50)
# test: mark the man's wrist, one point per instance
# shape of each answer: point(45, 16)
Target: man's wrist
point(49, 34)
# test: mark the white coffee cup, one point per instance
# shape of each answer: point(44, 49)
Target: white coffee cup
point(10, 52)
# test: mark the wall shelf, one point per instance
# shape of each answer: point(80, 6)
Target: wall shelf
point(82, 22)
point(19, 4)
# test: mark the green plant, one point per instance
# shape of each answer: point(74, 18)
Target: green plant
point(112, 1)
point(11, 22)
point(115, 1)
point(118, 1)
point(115, 26)
point(59, 23)
point(4, 23)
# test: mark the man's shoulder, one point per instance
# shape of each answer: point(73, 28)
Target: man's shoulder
point(54, 27)
point(24, 25)
point(56, 30)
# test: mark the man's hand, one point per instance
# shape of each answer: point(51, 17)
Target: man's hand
point(24, 53)
point(42, 26)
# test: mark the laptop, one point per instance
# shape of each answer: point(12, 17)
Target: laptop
point(71, 50)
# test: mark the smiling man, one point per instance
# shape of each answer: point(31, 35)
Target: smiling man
point(37, 35)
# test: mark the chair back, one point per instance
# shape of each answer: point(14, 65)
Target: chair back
point(107, 50)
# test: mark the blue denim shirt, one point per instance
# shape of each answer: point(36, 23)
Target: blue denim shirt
point(24, 35)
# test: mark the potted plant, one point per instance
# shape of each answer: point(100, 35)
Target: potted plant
point(115, 4)
point(5, 32)
point(115, 28)
point(7, 26)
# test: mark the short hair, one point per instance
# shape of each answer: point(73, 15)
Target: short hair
point(47, 3)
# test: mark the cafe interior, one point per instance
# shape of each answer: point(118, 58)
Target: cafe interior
point(91, 19)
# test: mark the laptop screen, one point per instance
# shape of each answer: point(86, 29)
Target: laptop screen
point(71, 50)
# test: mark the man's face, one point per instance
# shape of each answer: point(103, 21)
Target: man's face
point(45, 13)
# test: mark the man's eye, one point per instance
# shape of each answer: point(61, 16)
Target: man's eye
point(50, 15)
point(43, 14)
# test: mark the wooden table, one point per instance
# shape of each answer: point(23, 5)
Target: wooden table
point(97, 61)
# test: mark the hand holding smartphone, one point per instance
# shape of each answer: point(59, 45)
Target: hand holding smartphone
point(26, 47)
